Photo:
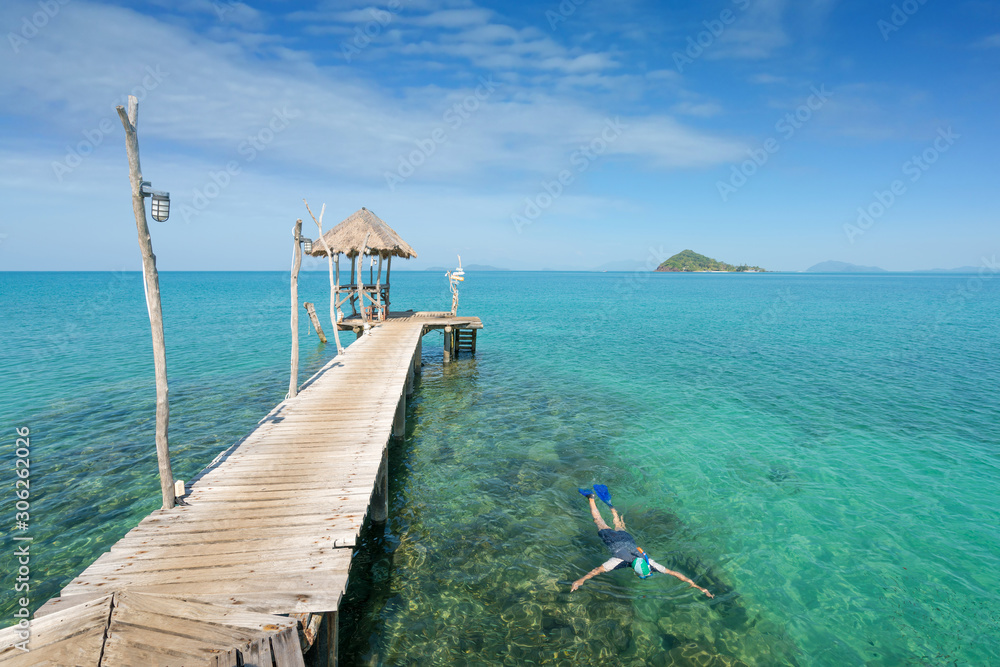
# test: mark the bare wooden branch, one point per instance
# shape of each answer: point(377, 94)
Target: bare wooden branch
point(334, 284)
point(315, 321)
point(151, 283)
point(293, 383)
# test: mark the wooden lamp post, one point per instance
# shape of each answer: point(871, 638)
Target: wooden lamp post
point(151, 281)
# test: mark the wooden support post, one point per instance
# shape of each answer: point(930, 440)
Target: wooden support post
point(361, 278)
point(410, 372)
point(332, 623)
point(378, 286)
point(418, 357)
point(475, 333)
point(293, 382)
point(151, 281)
point(388, 285)
point(399, 420)
point(353, 274)
point(379, 509)
point(315, 321)
point(336, 298)
point(448, 342)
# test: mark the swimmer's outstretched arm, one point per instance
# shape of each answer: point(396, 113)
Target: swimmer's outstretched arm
point(659, 568)
point(593, 573)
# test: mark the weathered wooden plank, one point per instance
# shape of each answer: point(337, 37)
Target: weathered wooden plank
point(157, 630)
point(142, 542)
point(72, 636)
point(314, 583)
point(265, 523)
point(263, 546)
point(168, 568)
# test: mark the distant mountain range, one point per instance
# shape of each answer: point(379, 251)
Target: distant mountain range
point(842, 267)
point(846, 267)
point(961, 269)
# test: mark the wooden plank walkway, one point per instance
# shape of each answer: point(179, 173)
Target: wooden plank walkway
point(266, 529)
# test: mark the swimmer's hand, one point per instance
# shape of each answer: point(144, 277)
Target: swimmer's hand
point(593, 573)
point(705, 591)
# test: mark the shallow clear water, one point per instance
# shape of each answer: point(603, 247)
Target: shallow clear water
point(819, 451)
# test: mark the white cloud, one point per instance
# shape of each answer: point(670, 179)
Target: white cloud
point(991, 42)
point(210, 98)
point(756, 34)
point(703, 109)
point(454, 18)
point(766, 79)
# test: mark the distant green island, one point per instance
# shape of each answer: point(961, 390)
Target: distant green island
point(690, 261)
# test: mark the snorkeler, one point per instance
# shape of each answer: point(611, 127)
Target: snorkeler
point(622, 546)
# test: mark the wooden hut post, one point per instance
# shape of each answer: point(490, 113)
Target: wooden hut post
point(388, 285)
point(293, 382)
point(361, 280)
point(378, 285)
point(448, 341)
point(354, 260)
point(336, 287)
point(151, 282)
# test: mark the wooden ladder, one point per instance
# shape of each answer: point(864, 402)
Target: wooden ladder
point(465, 340)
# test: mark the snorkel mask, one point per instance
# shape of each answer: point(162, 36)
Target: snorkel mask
point(641, 566)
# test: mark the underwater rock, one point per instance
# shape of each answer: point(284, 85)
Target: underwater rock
point(779, 474)
point(693, 654)
point(653, 525)
point(670, 641)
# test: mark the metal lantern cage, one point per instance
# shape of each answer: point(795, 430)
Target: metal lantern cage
point(160, 204)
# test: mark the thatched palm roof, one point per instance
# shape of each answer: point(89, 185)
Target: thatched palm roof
point(348, 236)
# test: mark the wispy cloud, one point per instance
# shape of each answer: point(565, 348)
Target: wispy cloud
point(703, 109)
point(756, 34)
point(216, 94)
point(991, 42)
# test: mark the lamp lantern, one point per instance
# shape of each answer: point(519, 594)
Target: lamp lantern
point(160, 202)
point(307, 245)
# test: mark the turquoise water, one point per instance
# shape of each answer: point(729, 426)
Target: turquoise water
point(822, 452)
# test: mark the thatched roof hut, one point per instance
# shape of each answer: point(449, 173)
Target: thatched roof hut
point(348, 236)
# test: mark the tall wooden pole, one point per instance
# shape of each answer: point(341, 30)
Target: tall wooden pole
point(293, 383)
point(151, 282)
point(334, 286)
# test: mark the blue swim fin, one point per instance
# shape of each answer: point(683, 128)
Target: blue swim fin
point(603, 493)
point(586, 493)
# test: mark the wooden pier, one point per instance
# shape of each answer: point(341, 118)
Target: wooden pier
point(251, 567)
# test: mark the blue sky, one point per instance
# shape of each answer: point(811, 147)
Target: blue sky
point(524, 135)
